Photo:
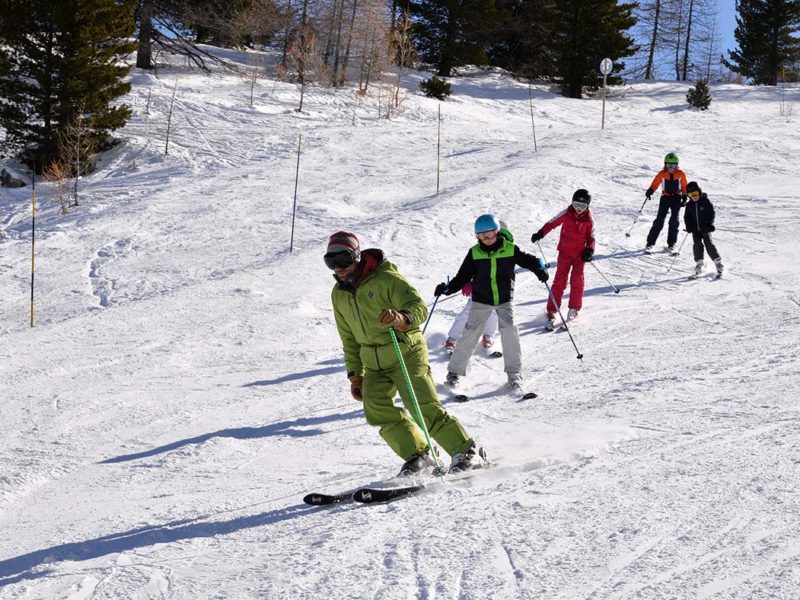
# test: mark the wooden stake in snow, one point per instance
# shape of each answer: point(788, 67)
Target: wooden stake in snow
point(169, 115)
point(296, 178)
point(33, 232)
point(605, 68)
point(533, 126)
point(438, 146)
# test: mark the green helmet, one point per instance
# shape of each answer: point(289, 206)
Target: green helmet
point(671, 159)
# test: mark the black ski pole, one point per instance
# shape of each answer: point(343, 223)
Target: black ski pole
point(433, 308)
point(558, 308)
point(637, 218)
point(616, 289)
point(677, 253)
point(430, 314)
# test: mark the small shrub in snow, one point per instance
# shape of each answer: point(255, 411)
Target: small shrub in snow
point(435, 88)
point(699, 96)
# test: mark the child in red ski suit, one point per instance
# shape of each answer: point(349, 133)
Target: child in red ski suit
point(575, 247)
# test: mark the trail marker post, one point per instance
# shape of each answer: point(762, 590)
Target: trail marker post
point(605, 68)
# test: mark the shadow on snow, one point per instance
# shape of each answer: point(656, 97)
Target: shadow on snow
point(17, 569)
point(296, 376)
point(289, 428)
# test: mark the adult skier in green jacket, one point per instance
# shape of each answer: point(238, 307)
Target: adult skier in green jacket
point(370, 296)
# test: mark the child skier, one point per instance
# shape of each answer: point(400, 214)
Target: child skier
point(575, 247)
point(699, 220)
point(489, 330)
point(489, 266)
point(673, 196)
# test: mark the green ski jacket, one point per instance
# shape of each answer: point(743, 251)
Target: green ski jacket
point(366, 343)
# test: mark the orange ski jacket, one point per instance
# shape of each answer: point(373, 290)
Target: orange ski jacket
point(674, 183)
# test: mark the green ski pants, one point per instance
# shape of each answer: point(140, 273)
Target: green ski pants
point(397, 426)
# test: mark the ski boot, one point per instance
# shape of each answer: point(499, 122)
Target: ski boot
point(451, 380)
point(471, 458)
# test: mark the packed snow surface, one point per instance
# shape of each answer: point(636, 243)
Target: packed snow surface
point(183, 387)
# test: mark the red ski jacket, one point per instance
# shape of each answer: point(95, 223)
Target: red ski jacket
point(577, 231)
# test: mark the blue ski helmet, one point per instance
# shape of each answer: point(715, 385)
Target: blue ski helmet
point(486, 222)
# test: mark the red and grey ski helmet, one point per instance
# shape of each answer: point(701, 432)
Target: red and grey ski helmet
point(343, 250)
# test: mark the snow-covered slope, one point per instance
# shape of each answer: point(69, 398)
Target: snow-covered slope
point(183, 387)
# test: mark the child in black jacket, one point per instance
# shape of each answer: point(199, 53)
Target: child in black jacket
point(489, 267)
point(699, 220)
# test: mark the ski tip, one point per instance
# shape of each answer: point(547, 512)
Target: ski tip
point(377, 495)
point(460, 397)
point(529, 396)
point(321, 499)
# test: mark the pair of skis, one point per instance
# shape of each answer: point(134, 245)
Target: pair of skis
point(377, 495)
point(523, 396)
point(694, 276)
point(489, 352)
point(551, 325)
point(364, 495)
point(666, 249)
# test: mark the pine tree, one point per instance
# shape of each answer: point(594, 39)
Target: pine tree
point(452, 33)
point(64, 57)
point(764, 34)
point(525, 44)
point(699, 96)
point(588, 32)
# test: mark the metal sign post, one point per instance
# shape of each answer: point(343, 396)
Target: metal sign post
point(605, 68)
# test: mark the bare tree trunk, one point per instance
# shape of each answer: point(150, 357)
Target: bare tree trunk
point(287, 37)
point(649, 72)
point(338, 48)
point(144, 52)
point(688, 38)
point(363, 72)
point(301, 63)
point(711, 41)
point(678, 41)
point(329, 36)
point(370, 57)
point(404, 51)
point(349, 40)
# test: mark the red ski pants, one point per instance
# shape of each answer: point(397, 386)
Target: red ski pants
point(564, 265)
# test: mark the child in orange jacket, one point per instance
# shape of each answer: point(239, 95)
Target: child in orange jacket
point(673, 196)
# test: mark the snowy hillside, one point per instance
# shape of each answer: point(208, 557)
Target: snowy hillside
point(184, 388)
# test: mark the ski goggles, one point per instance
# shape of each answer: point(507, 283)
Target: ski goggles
point(577, 205)
point(693, 195)
point(670, 166)
point(339, 260)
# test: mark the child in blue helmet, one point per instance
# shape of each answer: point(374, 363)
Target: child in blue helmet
point(489, 267)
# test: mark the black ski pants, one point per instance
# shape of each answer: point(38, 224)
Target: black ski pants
point(699, 239)
point(671, 205)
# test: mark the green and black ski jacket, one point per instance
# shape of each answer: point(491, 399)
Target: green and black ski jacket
point(491, 270)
